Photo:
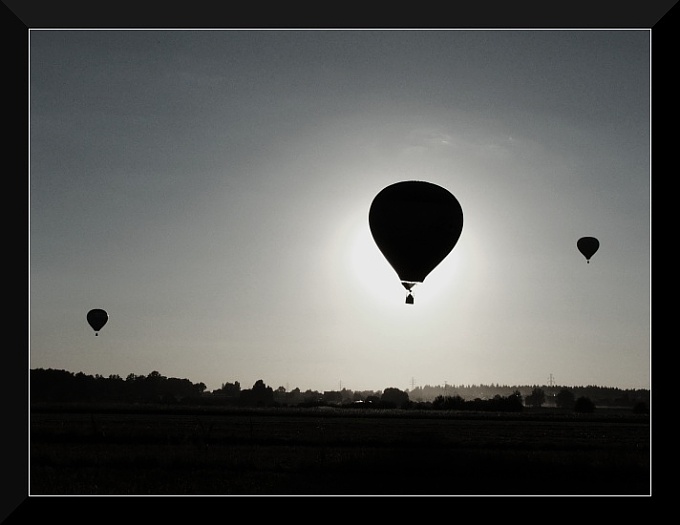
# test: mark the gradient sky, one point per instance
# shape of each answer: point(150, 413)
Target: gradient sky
point(210, 189)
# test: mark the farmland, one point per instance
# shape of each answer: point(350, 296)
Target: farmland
point(146, 450)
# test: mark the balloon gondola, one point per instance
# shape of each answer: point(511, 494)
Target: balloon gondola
point(415, 225)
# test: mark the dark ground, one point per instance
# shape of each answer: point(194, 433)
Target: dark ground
point(324, 451)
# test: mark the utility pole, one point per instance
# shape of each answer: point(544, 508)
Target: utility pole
point(551, 392)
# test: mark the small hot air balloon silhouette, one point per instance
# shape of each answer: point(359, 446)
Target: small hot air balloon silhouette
point(415, 224)
point(588, 246)
point(97, 318)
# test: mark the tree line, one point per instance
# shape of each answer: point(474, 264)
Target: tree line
point(56, 386)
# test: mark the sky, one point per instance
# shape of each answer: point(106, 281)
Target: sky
point(210, 190)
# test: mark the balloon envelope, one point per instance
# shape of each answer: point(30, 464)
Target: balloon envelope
point(97, 318)
point(415, 224)
point(588, 246)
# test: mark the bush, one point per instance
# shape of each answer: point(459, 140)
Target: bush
point(565, 399)
point(584, 405)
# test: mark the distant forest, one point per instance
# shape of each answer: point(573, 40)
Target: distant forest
point(61, 386)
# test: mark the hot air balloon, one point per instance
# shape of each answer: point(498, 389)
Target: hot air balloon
point(97, 319)
point(588, 246)
point(415, 224)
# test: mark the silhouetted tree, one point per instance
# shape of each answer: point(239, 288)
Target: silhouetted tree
point(50, 385)
point(59, 386)
point(584, 405)
point(393, 397)
point(230, 389)
point(294, 397)
point(448, 403)
point(259, 395)
point(373, 399)
point(512, 403)
point(564, 399)
point(536, 398)
point(333, 397)
point(152, 387)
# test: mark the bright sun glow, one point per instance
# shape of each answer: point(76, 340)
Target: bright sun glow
point(373, 273)
point(368, 275)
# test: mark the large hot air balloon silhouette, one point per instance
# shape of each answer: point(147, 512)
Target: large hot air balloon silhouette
point(415, 224)
point(97, 318)
point(588, 246)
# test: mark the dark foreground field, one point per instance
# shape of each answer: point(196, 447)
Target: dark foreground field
point(163, 451)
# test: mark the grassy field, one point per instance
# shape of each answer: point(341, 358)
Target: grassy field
point(325, 451)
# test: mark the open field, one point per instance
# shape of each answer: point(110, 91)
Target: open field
point(324, 451)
